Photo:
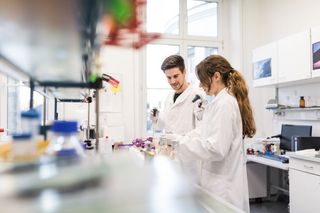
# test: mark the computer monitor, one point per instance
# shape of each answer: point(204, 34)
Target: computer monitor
point(289, 132)
point(307, 143)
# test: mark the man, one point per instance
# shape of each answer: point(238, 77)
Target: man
point(181, 112)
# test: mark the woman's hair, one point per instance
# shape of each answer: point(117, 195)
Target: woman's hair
point(235, 84)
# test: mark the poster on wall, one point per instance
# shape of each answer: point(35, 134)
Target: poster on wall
point(110, 97)
point(315, 52)
point(262, 69)
point(316, 55)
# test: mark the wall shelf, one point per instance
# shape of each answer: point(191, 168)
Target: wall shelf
point(297, 113)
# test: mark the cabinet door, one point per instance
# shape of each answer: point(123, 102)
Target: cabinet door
point(294, 57)
point(265, 65)
point(304, 189)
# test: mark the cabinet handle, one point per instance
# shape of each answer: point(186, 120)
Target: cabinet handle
point(308, 167)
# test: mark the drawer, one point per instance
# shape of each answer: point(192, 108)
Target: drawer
point(305, 165)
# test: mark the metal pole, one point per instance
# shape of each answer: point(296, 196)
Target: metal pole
point(44, 108)
point(88, 126)
point(97, 120)
point(55, 109)
point(31, 93)
point(277, 95)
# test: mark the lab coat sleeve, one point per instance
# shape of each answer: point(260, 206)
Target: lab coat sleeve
point(219, 137)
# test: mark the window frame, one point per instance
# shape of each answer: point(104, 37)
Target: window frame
point(183, 40)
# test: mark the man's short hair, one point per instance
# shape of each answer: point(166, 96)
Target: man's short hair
point(173, 61)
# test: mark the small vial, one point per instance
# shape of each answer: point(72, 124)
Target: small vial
point(302, 102)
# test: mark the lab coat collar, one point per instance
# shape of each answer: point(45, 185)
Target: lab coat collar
point(221, 94)
point(183, 96)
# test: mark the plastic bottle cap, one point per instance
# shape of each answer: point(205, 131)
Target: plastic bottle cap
point(23, 136)
point(32, 114)
point(67, 153)
point(64, 126)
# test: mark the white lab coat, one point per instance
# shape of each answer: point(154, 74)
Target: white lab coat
point(180, 117)
point(219, 144)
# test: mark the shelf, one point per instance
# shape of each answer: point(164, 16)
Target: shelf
point(296, 108)
point(297, 113)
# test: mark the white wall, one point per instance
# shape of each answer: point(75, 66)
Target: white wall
point(127, 121)
point(265, 21)
point(232, 32)
point(3, 101)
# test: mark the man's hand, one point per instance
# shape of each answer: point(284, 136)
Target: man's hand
point(154, 115)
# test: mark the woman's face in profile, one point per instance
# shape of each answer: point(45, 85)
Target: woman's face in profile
point(215, 85)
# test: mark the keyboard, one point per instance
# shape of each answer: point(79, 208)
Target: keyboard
point(282, 159)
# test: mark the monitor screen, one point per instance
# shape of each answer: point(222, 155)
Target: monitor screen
point(288, 132)
point(307, 143)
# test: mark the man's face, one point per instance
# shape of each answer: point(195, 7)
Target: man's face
point(175, 78)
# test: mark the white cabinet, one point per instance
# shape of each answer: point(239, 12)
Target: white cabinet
point(304, 177)
point(285, 61)
point(265, 65)
point(294, 57)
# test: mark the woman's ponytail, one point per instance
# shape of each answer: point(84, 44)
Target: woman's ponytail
point(237, 86)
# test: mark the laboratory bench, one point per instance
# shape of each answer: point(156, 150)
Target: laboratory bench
point(304, 174)
point(117, 182)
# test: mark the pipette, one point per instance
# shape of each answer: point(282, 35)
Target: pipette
point(154, 114)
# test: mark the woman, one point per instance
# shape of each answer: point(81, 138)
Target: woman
point(218, 142)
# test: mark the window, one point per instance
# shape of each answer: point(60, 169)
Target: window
point(18, 96)
point(188, 28)
point(163, 16)
point(195, 55)
point(202, 18)
point(157, 85)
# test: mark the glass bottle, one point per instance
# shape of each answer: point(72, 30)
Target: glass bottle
point(64, 141)
point(302, 102)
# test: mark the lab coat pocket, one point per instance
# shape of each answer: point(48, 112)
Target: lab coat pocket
point(215, 183)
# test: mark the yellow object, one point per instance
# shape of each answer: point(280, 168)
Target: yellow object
point(116, 89)
point(5, 151)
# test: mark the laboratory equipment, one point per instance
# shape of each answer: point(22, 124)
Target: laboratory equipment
point(301, 143)
point(65, 142)
point(23, 147)
point(289, 132)
point(30, 122)
point(282, 159)
point(155, 115)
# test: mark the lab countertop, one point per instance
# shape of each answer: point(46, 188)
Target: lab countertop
point(268, 162)
point(104, 183)
point(308, 154)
